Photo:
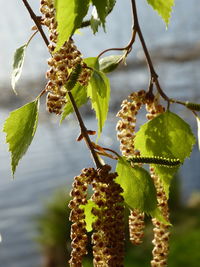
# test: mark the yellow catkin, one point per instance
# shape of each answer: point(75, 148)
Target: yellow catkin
point(136, 227)
point(77, 217)
point(161, 230)
point(126, 135)
point(108, 236)
point(61, 63)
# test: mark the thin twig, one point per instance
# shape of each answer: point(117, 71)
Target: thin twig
point(127, 48)
point(154, 75)
point(104, 154)
point(113, 151)
point(78, 115)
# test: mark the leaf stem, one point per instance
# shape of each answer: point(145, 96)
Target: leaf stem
point(78, 115)
point(29, 40)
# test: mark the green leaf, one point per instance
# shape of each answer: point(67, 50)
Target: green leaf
point(139, 191)
point(69, 15)
point(101, 7)
point(92, 62)
point(20, 128)
point(158, 215)
point(110, 63)
point(110, 5)
point(163, 7)
point(18, 61)
point(95, 21)
point(90, 218)
point(79, 93)
point(166, 136)
point(198, 131)
point(99, 92)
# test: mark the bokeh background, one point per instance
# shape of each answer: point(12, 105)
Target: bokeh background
point(54, 157)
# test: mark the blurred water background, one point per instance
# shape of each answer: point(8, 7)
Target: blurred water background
point(54, 157)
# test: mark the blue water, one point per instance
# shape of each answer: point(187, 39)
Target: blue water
point(54, 157)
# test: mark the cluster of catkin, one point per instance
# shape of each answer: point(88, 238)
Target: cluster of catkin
point(126, 134)
point(61, 62)
point(108, 228)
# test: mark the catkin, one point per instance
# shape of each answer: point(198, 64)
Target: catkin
point(77, 217)
point(136, 227)
point(61, 62)
point(126, 125)
point(153, 108)
point(161, 230)
point(109, 231)
point(126, 134)
point(108, 236)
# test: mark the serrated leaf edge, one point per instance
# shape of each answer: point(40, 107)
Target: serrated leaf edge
point(34, 130)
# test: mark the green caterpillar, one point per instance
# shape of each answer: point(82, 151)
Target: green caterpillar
point(193, 106)
point(155, 160)
point(73, 78)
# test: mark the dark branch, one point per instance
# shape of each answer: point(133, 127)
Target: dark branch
point(84, 131)
point(37, 22)
point(154, 75)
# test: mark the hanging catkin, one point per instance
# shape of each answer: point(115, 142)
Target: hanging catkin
point(108, 236)
point(77, 217)
point(161, 230)
point(126, 135)
point(109, 230)
point(61, 63)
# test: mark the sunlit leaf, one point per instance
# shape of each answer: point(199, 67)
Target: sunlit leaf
point(20, 128)
point(158, 215)
point(79, 93)
point(163, 7)
point(166, 136)
point(99, 92)
point(18, 61)
point(139, 191)
point(99, 13)
point(95, 21)
point(110, 63)
point(92, 62)
point(101, 7)
point(69, 15)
